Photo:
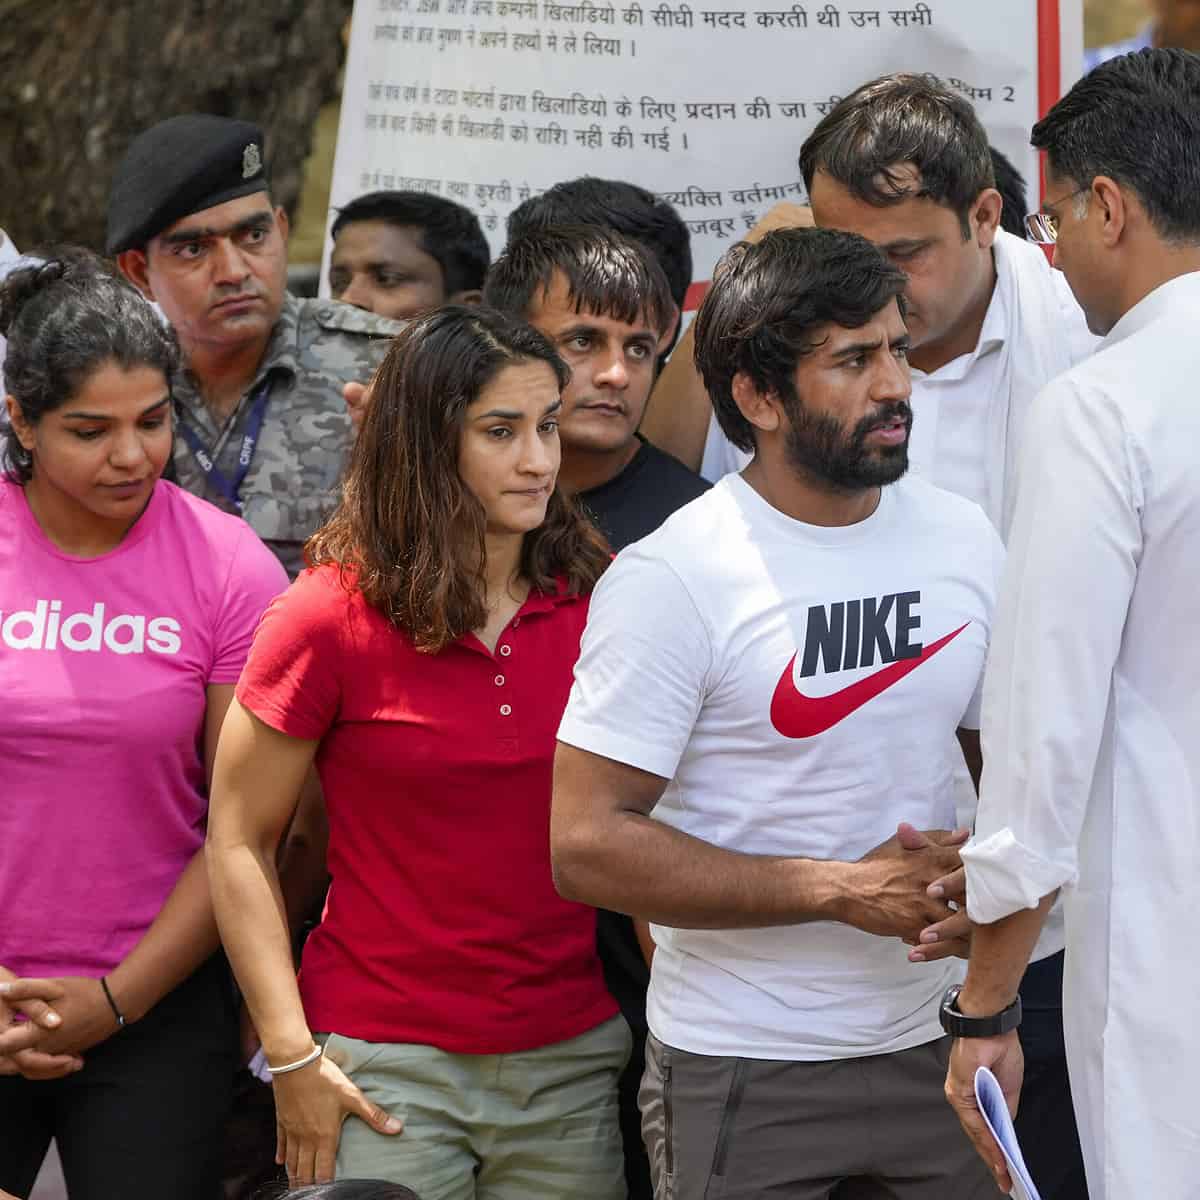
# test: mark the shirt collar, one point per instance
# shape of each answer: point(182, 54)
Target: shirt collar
point(282, 354)
point(283, 350)
point(992, 335)
point(619, 480)
point(538, 601)
point(1158, 303)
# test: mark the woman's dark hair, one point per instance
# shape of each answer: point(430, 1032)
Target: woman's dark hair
point(65, 316)
point(768, 302)
point(902, 119)
point(408, 533)
point(1135, 119)
point(351, 1189)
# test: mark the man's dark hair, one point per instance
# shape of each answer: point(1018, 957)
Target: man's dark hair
point(623, 207)
point(606, 274)
point(1010, 183)
point(902, 119)
point(1136, 119)
point(449, 233)
point(768, 303)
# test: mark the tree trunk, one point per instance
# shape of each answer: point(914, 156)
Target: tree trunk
point(80, 79)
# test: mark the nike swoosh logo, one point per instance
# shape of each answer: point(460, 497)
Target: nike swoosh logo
point(796, 715)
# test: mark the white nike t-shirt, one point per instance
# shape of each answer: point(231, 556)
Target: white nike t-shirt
point(799, 686)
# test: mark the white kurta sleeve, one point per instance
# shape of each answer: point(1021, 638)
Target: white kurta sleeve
point(993, 578)
point(643, 668)
point(1072, 562)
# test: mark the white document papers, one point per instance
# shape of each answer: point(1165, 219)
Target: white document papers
point(995, 1113)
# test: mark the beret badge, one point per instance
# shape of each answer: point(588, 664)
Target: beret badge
point(180, 166)
point(251, 161)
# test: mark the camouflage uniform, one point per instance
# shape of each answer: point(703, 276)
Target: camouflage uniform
point(292, 485)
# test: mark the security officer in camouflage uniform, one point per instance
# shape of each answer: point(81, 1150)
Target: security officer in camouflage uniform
point(261, 425)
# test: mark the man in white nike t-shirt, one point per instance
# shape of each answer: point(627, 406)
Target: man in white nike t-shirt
point(904, 162)
point(766, 691)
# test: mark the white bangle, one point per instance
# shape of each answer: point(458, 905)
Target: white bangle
point(310, 1057)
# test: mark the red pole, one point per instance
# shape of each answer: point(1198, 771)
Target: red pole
point(1049, 61)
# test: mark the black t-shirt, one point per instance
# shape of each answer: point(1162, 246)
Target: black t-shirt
point(638, 500)
point(627, 508)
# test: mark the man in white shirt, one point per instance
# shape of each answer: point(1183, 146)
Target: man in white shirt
point(904, 162)
point(776, 674)
point(1092, 704)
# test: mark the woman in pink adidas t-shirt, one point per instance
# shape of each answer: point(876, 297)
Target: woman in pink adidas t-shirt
point(126, 613)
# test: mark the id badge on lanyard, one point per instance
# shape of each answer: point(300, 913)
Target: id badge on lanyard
point(231, 488)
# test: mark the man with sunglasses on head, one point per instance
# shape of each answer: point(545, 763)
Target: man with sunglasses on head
point(1091, 704)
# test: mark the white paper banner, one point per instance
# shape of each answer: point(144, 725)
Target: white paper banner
point(490, 101)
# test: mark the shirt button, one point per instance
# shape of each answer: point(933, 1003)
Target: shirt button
point(505, 709)
point(499, 680)
point(505, 651)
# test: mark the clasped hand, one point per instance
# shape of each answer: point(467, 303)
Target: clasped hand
point(46, 1024)
point(909, 888)
point(950, 936)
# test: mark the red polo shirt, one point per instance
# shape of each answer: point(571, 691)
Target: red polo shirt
point(442, 925)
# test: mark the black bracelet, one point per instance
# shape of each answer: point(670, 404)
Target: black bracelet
point(112, 1003)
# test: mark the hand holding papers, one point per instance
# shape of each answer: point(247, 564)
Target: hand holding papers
point(1001, 1059)
point(995, 1112)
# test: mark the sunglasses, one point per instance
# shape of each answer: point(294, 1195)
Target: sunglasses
point(1042, 227)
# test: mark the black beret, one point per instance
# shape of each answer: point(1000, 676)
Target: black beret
point(181, 166)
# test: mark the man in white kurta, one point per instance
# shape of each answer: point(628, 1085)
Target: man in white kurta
point(1091, 718)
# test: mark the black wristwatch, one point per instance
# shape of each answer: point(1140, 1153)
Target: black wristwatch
point(960, 1026)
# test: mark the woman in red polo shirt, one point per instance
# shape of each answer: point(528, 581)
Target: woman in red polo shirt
point(423, 664)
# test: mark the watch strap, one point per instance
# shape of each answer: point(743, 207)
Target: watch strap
point(959, 1025)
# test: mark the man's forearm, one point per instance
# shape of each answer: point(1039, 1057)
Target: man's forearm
point(999, 955)
point(642, 867)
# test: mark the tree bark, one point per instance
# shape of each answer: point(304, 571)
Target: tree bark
point(80, 79)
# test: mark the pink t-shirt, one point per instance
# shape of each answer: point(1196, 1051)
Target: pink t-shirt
point(103, 668)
